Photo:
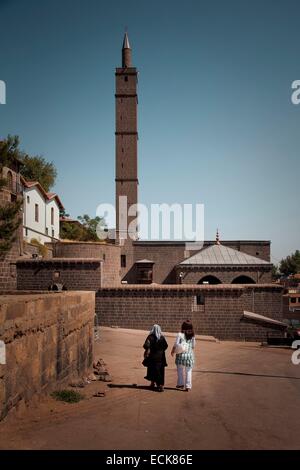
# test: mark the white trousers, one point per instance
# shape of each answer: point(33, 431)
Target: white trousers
point(184, 376)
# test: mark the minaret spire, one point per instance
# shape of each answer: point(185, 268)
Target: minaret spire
point(126, 52)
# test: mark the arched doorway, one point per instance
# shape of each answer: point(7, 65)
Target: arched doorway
point(209, 280)
point(243, 280)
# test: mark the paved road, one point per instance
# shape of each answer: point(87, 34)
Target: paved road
point(244, 397)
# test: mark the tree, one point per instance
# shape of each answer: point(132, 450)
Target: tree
point(10, 216)
point(275, 272)
point(85, 229)
point(34, 168)
point(91, 225)
point(38, 169)
point(71, 231)
point(290, 264)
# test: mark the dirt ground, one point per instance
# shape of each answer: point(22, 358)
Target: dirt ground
point(244, 396)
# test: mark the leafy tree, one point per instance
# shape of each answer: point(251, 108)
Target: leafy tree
point(90, 225)
point(290, 264)
point(38, 169)
point(71, 231)
point(275, 272)
point(10, 215)
point(35, 168)
point(84, 230)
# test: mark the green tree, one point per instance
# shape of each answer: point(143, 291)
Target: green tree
point(71, 231)
point(34, 168)
point(290, 264)
point(38, 169)
point(10, 214)
point(275, 272)
point(90, 225)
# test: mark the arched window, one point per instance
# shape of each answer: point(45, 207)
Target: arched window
point(209, 280)
point(243, 280)
point(9, 178)
point(52, 216)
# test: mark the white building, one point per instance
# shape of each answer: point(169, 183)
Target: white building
point(41, 213)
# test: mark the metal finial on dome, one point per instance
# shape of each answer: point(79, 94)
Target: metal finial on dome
point(217, 237)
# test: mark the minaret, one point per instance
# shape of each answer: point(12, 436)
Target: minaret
point(126, 144)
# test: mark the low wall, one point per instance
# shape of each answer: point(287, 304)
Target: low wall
point(217, 312)
point(75, 274)
point(48, 340)
point(108, 253)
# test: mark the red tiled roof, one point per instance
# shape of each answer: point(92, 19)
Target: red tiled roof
point(47, 196)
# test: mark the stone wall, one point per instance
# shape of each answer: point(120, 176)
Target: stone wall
point(74, 274)
point(217, 313)
point(107, 253)
point(166, 255)
point(48, 339)
point(226, 275)
point(8, 277)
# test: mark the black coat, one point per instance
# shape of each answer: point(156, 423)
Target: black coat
point(157, 350)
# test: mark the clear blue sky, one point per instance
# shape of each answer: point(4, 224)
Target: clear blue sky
point(216, 123)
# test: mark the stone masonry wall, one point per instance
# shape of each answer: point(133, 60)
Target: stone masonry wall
point(108, 254)
point(75, 274)
point(8, 277)
point(227, 276)
point(166, 255)
point(48, 340)
point(140, 307)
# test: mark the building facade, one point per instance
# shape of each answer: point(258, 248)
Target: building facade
point(41, 216)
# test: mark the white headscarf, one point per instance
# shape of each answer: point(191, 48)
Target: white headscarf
point(156, 331)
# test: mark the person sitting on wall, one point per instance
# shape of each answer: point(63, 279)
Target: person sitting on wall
point(155, 358)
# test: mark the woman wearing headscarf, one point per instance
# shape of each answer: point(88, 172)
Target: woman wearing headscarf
point(155, 347)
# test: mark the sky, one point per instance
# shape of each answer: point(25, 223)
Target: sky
point(215, 118)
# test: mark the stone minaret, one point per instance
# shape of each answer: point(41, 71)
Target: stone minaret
point(126, 144)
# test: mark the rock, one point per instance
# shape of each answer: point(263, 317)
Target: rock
point(100, 370)
point(99, 394)
point(92, 377)
point(79, 384)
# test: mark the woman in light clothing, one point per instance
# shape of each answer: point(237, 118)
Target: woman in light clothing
point(185, 360)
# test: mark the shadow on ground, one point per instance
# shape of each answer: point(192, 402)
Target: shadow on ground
point(245, 374)
point(141, 387)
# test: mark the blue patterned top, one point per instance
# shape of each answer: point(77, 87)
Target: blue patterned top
point(186, 358)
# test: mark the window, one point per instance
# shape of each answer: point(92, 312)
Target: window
point(9, 179)
point(122, 165)
point(52, 216)
point(52, 233)
point(36, 212)
point(126, 78)
point(26, 232)
point(47, 230)
point(28, 199)
point(257, 253)
point(103, 256)
point(123, 261)
point(200, 300)
point(293, 300)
